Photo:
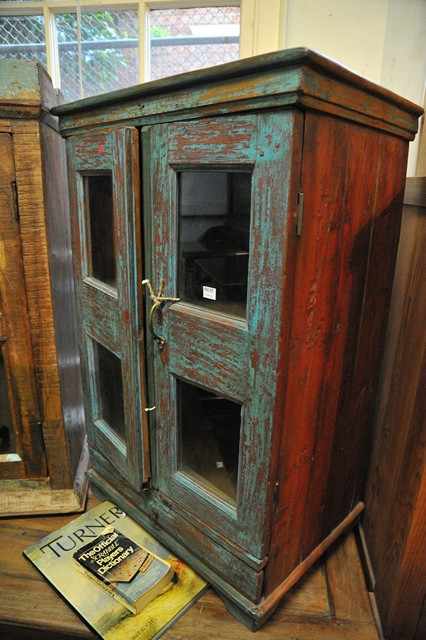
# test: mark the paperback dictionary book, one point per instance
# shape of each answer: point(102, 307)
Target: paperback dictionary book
point(119, 579)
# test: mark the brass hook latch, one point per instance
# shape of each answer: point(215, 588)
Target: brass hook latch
point(157, 299)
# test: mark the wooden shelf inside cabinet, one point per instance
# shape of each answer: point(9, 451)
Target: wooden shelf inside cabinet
point(261, 370)
point(43, 453)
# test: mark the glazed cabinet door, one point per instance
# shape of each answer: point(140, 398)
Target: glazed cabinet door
point(21, 449)
point(105, 191)
point(217, 195)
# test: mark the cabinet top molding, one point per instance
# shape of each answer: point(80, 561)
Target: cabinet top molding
point(292, 77)
point(26, 90)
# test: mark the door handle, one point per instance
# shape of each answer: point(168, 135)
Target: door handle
point(157, 299)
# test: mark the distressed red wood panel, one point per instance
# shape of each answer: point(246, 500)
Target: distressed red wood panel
point(336, 324)
point(358, 399)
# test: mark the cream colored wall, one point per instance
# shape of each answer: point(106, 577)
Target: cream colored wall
point(344, 30)
point(404, 57)
point(383, 40)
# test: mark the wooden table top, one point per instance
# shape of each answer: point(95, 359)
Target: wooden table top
point(331, 602)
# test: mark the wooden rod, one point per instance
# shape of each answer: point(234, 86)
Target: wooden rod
point(268, 604)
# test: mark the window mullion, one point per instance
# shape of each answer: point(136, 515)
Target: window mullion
point(143, 31)
point(51, 46)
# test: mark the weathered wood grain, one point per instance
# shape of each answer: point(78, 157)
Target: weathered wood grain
point(21, 366)
point(39, 289)
point(219, 350)
point(68, 431)
point(303, 77)
point(358, 402)
point(395, 523)
point(337, 323)
point(304, 361)
point(305, 614)
point(350, 600)
point(112, 315)
point(268, 144)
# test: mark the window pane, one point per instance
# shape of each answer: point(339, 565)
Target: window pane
point(103, 57)
point(209, 431)
point(186, 39)
point(7, 439)
point(214, 238)
point(110, 389)
point(100, 248)
point(22, 38)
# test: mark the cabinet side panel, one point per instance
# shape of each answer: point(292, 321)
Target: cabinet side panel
point(32, 222)
point(358, 397)
point(329, 387)
point(63, 293)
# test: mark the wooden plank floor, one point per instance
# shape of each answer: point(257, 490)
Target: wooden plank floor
point(331, 603)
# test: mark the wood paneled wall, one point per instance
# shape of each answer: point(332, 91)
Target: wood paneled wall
point(395, 522)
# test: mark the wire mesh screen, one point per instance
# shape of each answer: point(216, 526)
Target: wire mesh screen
point(99, 53)
point(22, 38)
point(186, 39)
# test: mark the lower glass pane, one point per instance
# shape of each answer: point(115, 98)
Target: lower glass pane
point(7, 439)
point(110, 389)
point(209, 433)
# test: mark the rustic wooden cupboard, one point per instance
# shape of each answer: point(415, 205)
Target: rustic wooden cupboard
point(43, 455)
point(235, 233)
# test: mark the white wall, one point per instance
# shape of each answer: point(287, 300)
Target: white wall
point(404, 56)
point(344, 30)
point(383, 40)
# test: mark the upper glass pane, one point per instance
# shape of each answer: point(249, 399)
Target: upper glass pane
point(214, 238)
point(7, 433)
point(186, 39)
point(100, 249)
point(22, 38)
point(209, 438)
point(98, 51)
point(110, 388)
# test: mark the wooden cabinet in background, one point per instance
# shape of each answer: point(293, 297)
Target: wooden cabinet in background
point(259, 203)
point(43, 456)
point(395, 518)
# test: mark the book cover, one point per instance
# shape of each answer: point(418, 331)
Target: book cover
point(130, 572)
point(118, 577)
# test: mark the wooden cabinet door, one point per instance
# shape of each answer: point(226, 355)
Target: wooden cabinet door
point(21, 449)
point(217, 195)
point(105, 191)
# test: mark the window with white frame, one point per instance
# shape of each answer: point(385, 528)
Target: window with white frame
point(186, 39)
point(97, 50)
point(23, 37)
point(90, 47)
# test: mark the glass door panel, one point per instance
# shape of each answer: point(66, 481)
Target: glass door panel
point(216, 215)
point(105, 197)
point(110, 405)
